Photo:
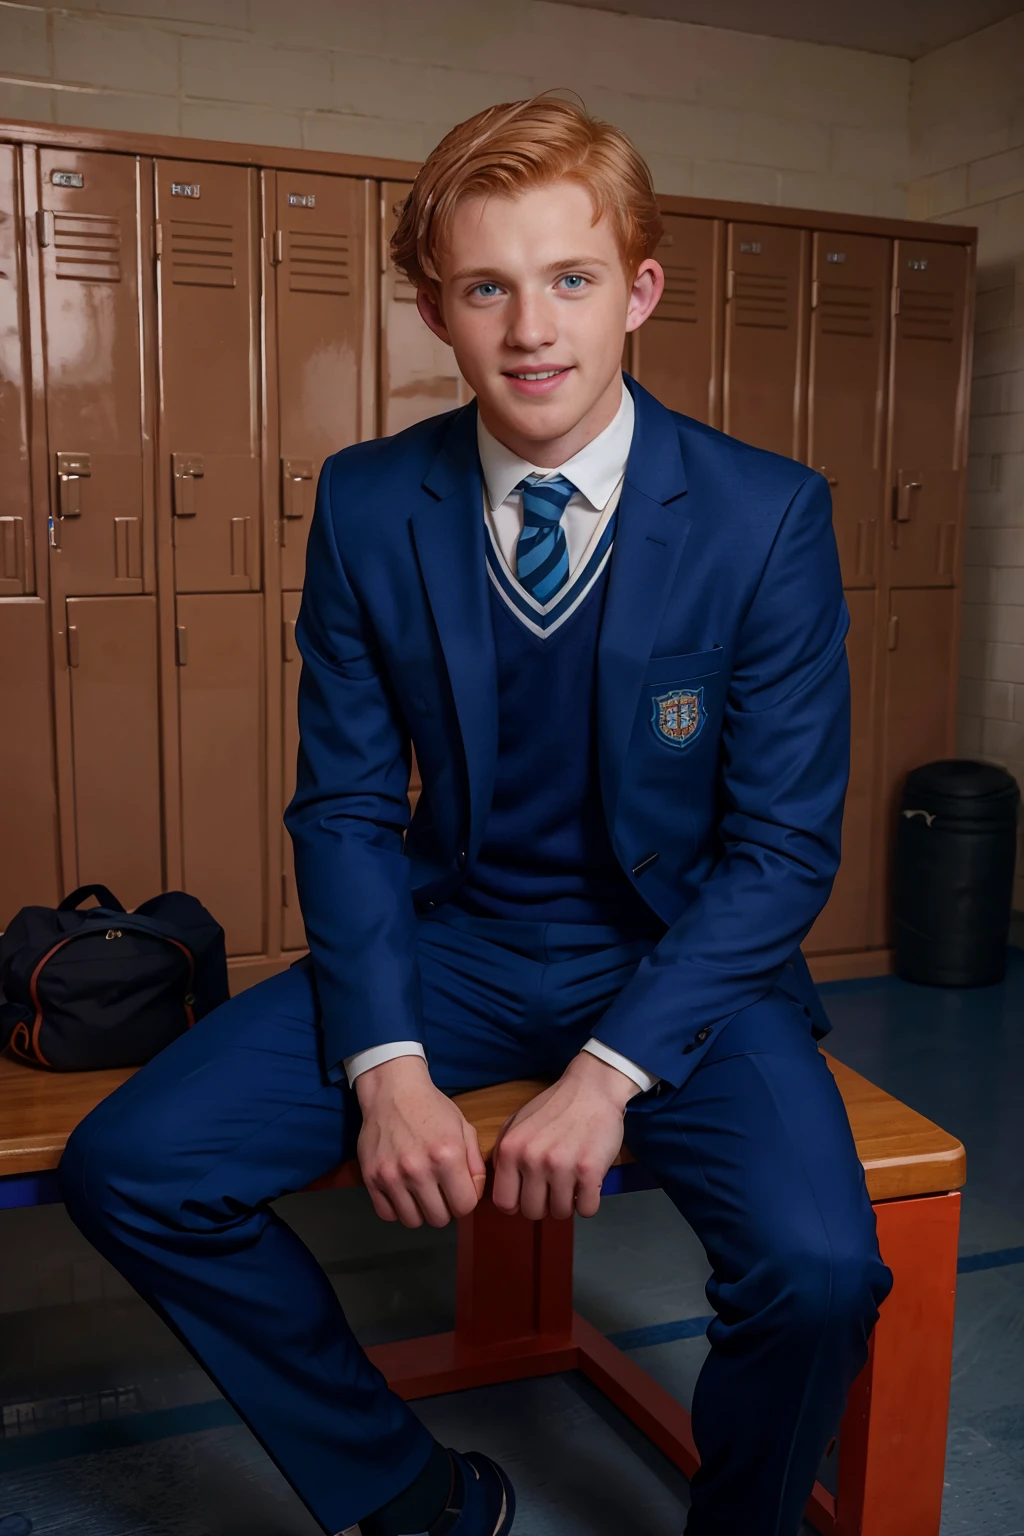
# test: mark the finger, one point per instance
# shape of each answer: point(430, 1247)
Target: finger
point(381, 1204)
point(562, 1194)
point(507, 1184)
point(459, 1190)
point(475, 1164)
point(588, 1195)
point(533, 1198)
point(406, 1208)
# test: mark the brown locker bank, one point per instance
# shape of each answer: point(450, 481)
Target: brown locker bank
point(188, 329)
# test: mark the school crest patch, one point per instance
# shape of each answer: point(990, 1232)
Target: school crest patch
point(678, 717)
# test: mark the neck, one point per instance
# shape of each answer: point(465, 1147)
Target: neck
point(551, 453)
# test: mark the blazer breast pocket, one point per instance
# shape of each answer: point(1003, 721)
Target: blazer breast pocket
point(681, 692)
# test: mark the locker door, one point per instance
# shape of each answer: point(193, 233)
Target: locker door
point(323, 350)
point(293, 934)
point(846, 920)
point(29, 867)
point(17, 573)
point(112, 645)
point(209, 356)
point(926, 409)
point(846, 390)
point(220, 679)
point(764, 327)
point(418, 374)
point(918, 719)
point(676, 354)
point(89, 248)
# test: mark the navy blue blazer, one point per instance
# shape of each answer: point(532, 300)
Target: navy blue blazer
point(723, 710)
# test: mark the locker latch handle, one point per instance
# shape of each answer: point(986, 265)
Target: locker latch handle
point(907, 483)
point(295, 473)
point(72, 468)
point(186, 468)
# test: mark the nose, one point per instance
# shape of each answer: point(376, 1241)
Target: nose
point(531, 323)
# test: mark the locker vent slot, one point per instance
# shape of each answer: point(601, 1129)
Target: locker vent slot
point(87, 247)
point(926, 316)
point(319, 263)
point(679, 301)
point(846, 309)
point(202, 255)
point(761, 300)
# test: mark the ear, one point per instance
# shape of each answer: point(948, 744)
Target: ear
point(648, 287)
point(428, 304)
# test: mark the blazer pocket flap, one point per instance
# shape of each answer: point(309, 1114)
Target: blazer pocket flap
point(685, 668)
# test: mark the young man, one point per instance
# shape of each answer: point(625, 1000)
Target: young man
point(616, 639)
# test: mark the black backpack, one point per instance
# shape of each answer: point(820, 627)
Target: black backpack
point(106, 987)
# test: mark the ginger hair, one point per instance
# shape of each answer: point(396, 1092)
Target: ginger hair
point(507, 149)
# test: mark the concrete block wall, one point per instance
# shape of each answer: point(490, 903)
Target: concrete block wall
point(967, 167)
point(717, 113)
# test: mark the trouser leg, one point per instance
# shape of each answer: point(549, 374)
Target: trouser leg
point(171, 1179)
point(756, 1152)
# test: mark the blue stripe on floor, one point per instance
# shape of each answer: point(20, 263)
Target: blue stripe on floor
point(997, 1259)
point(660, 1333)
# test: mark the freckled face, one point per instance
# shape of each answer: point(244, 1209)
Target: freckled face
point(535, 301)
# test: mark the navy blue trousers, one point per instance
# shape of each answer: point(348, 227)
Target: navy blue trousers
point(172, 1177)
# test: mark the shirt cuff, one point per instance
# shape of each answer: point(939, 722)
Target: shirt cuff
point(377, 1055)
point(644, 1080)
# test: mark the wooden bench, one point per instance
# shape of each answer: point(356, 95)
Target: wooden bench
point(514, 1312)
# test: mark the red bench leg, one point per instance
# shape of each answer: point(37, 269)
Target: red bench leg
point(514, 1319)
point(892, 1450)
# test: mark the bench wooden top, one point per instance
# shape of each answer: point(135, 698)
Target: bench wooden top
point(903, 1153)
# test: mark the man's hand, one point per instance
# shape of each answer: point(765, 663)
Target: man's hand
point(552, 1156)
point(419, 1157)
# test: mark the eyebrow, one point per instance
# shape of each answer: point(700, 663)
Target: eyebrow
point(569, 264)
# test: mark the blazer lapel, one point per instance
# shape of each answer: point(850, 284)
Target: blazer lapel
point(650, 532)
point(448, 531)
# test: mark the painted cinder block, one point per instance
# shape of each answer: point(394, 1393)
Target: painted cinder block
point(241, 124)
point(219, 70)
point(420, 93)
point(127, 57)
point(118, 110)
point(23, 47)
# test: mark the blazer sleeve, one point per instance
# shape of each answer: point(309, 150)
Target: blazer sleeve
point(782, 780)
point(350, 811)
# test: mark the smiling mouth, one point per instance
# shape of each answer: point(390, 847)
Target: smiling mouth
point(535, 375)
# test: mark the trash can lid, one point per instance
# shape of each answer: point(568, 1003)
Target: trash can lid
point(965, 787)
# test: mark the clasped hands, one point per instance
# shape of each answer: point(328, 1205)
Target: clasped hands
point(421, 1160)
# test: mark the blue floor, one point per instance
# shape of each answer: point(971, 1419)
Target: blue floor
point(110, 1430)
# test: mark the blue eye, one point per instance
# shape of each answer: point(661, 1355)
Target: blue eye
point(574, 281)
point(486, 290)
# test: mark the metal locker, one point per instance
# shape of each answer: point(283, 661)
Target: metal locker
point(765, 293)
point(112, 663)
point(293, 933)
point(17, 572)
point(29, 864)
point(846, 390)
point(325, 349)
point(677, 353)
point(919, 691)
point(418, 373)
point(844, 923)
point(221, 729)
point(209, 366)
point(927, 387)
point(88, 238)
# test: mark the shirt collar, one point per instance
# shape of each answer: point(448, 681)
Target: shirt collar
point(595, 471)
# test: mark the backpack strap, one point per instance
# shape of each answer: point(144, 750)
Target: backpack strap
point(103, 896)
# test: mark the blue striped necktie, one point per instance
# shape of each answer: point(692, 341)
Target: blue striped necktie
point(542, 559)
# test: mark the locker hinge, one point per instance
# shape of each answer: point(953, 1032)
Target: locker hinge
point(44, 226)
point(158, 240)
point(895, 302)
point(181, 644)
point(892, 634)
point(277, 248)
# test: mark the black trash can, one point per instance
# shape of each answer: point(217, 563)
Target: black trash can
point(955, 849)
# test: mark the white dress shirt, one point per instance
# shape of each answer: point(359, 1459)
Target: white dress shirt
point(597, 472)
